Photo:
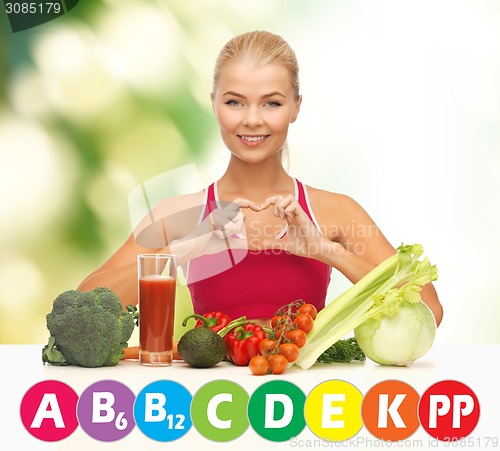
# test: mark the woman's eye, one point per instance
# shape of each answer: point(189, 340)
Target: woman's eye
point(232, 102)
point(273, 104)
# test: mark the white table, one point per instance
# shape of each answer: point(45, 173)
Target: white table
point(474, 365)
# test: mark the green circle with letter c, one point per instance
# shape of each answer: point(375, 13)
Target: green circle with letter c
point(276, 410)
point(216, 410)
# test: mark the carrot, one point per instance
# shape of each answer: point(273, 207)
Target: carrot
point(175, 352)
point(132, 353)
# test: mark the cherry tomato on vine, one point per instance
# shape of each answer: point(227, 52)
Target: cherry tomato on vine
point(275, 320)
point(278, 364)
point(283, 329)
point(258, 365)
point(297, 336)
point(304, 322)
point(309, 309)
point(267, 346)
point(290, 351)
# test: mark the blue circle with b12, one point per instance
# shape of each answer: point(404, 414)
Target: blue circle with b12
point(162, 410)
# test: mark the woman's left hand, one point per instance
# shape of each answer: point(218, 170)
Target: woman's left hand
point(302, 236)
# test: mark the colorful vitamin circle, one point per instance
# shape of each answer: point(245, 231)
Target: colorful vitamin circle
point(162, 410)
point(333, 410)
point(390, 410)
point(48, 410)
point(106, 410)
point(218, 410)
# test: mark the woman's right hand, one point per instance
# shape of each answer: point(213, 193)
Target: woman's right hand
point(220, 231)
point(230, 220)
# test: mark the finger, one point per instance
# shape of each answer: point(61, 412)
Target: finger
point(244, 203)
point(291, 210)
point(218, 219)
point(286, 206)
point(270, 201)
point(239, 223)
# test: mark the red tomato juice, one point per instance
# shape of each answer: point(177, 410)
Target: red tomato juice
point(156, 313)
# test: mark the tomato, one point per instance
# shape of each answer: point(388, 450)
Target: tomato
point(278, 364)
point(297, 336)
point(283, 329)
point(258, 365)
point(275, 320)
point(309, 309)
point(266, 346)
point(304, 322)
point(290, 351)
point(278, 320)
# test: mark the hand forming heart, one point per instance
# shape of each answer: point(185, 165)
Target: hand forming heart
point(302, 237)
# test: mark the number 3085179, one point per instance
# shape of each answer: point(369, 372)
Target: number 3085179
point(33, 8)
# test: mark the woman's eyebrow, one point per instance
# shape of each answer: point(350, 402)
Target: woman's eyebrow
point(274, 93)
point(265, 96)
point(234, 94)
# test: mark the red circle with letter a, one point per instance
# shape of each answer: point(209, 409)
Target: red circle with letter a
point(449, 410)
point(48, 410)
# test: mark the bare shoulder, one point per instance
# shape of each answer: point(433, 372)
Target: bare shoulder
point(174, 217)
point(178, 204)
point(340, 216)
point(327, 203)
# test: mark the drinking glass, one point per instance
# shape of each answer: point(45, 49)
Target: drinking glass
point(157, 274)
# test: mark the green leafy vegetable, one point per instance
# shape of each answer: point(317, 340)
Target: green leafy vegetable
point(400, 339)
point(88, 329)
point(343, 351)
point(395, 282)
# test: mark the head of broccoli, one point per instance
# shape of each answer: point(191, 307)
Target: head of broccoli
point(88, 328)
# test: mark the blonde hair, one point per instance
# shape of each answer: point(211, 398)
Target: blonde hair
point(261, 47)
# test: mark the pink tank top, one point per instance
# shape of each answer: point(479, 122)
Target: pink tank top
point(255, 283)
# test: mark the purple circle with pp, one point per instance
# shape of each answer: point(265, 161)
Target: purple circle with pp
point(106, 410)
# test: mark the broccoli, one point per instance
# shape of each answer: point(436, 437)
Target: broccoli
point(88, 328)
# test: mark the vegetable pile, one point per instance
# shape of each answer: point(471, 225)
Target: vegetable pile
point(390, 322)
point(88, 328)
point(263, 350)
point(289, 331)
point(391, 325)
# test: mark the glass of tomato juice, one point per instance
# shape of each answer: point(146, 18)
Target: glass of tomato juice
point(157, 274)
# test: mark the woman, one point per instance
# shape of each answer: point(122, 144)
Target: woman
point(290, 236)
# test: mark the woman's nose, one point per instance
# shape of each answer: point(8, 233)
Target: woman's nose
point(252, 117)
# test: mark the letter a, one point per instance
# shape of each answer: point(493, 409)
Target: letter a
point(43, 412)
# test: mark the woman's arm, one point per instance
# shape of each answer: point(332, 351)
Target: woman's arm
point(119, 272)
point(355, 245)
point(176, 233)
point(349, 241)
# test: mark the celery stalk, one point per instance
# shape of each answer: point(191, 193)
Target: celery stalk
point(374, 294)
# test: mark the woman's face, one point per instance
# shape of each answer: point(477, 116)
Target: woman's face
point(254, 106)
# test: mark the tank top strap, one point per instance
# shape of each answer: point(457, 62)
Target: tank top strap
point(210, 202)
point(303, 200)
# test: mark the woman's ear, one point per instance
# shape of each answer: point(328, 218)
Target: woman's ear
point(212, 101)
point(297, 110)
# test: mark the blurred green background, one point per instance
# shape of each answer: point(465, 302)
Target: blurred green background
point(400, 111)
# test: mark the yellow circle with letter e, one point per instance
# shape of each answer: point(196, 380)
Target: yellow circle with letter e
point(333, 410)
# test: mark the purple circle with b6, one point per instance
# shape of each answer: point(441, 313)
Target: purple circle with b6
point(106, 410)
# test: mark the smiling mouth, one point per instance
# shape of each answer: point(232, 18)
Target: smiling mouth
point(253, 138)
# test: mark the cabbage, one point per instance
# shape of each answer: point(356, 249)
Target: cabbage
point(400, 339)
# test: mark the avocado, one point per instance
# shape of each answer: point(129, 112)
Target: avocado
point(201, 347)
